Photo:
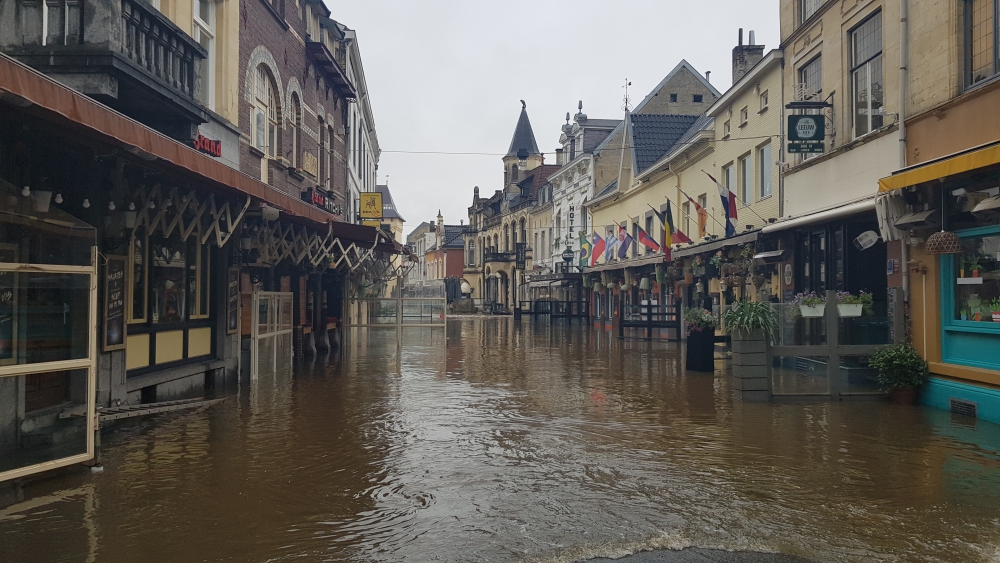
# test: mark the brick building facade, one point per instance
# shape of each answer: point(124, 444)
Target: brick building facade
point(293, 105)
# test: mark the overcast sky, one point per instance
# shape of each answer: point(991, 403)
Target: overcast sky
point(446, 76)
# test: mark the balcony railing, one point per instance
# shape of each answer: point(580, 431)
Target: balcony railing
point(156, 45)
point(500, 257)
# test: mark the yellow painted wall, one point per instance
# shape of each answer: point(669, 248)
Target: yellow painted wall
point(199, 341)
point(136, 351)
point(169, 346)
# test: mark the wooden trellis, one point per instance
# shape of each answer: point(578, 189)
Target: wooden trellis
point(187, 214)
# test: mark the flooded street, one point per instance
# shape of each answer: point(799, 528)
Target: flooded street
point(492, 441)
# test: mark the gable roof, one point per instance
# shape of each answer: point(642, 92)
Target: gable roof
point(702, 124)
point(453, 236)
point(524, 137)
point(388, 206)
point(654, 135)
point(681, 65)
point(537, 177)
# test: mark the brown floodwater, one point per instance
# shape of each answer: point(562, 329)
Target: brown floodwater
point(492, 441)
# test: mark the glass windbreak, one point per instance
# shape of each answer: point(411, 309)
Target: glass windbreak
point(977, 280)
point(795, 329)
point(44, 317)
point(33, 230)
point(43, 417)
point(800, 375)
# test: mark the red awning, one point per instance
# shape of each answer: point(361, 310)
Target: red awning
point(57, 100)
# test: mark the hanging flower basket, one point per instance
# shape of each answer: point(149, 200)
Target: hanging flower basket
point(812, 311)
point(850, 310)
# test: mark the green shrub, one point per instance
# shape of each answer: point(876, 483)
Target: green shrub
point(747, 316)
point(899, 366)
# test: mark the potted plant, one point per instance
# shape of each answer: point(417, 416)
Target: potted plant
point(700, 325)
point(850, 305)
point(961, 267)
point(975, 310)
point(973, 264)
point(900, 369)
point(751, 324)
point(810, 304)
point(995, 309)
point(964, 314)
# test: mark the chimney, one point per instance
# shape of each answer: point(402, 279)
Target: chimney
point(559, 157)
point(708, 76)
point(745, 56)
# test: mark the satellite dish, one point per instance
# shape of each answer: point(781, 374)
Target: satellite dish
point(866, 240)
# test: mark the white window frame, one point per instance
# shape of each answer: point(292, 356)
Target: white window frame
point(745, 180)
point(204, 32)
point(859, 68)
point(765, 167)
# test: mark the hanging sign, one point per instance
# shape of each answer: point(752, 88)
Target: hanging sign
point(521, 255)
point(806, 133)
point(371, 205)
point(233, 301)
point(114, 303)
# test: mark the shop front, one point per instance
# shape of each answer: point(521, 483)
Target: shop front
point(48, 334)
point(949, 214)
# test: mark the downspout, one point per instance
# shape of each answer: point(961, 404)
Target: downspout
point(904, 74)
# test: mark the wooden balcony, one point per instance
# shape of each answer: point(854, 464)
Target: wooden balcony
point(124, 53)
point(321, 56)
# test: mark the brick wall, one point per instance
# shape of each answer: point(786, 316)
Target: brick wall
point(279, 43)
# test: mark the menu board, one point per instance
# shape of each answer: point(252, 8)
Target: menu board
point(233, 301)
point(114, 303)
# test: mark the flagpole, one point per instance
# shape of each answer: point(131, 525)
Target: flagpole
point(712, 215)
point(745, 204)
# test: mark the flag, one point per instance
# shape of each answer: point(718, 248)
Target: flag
point(728, 205)
point(702, 216)
point(668, 237)
point(624, 242)
point(585, 248)
point(597, 250)
point(646, 240)
point(610, 248)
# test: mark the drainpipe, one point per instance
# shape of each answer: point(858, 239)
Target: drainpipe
point(904, 75)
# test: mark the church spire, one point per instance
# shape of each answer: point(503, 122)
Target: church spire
point(524, 137)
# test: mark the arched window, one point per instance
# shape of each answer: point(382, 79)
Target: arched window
point(513, 174)
point(524, 232)
point(265, 114)
point(296, 132)
point(329, 157)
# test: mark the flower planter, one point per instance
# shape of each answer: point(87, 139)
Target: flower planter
point(812, 311)
point(701, 351)
point(906, 395)
point(850, 309)
point(996, 316)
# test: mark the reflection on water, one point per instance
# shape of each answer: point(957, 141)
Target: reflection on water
point(490, 441)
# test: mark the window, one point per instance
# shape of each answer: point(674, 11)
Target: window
point(544, 249)
point(725, 129)
point(764, 165)
point(810, 87)
point(673, 97)
point(763, 100)
point(328, 155)
point(513, 174)
point(727, 177)
point(980, 40)
point(686, 212)
point(866, 75)
point(807, 8)
point(973, 297)
point(140, 273)
point(744, 116)
point(696, 98)
point(649, 231)
point(265, 118)
point(204, 34)
point(321, 150)
point(746, 179)
point(296, 132)
point(178, 276)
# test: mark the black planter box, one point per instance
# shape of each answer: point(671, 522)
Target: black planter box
point(701, 351)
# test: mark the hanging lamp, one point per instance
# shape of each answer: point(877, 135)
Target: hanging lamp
point(943, 242)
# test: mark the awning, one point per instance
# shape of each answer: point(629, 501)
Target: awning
point(71, 109)
point(862, 206)
point(916, 220)
point(717, 244)
point(771, 256)
point(977, 157)
point(988, 204)
point(634, 263)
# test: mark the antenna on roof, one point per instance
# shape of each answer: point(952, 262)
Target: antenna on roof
point(628, 103)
